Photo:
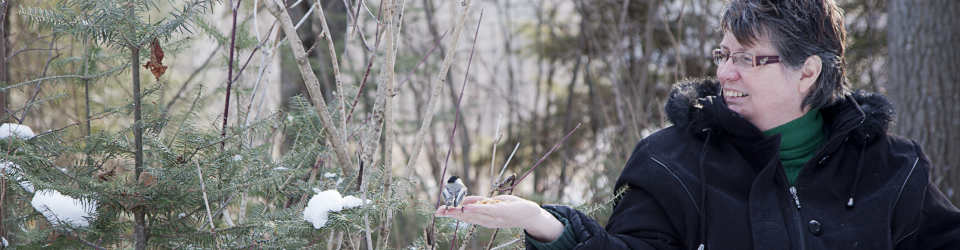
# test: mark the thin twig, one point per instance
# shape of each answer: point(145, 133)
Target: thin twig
point(222, 208)
point(336, 65)
point(421, 61)
point(493, 157)
point(455, 229)
point(185, 216)
point(366, 74)
point(355, 15)
point(510, 179)
point(309, 11)
point(361, 125)
point(272, 54)
point(71, 125)
point(363, 82)
point(294, 4)
point(240, 72)
point(36, 90)
point(507, 244)
point(111, 71)
point(206, 202)
point(542, 158)
point(226, 104)
point(193, 75)
point(297, 26)
point(263, 68)
point(374, 229)
point(24, 49)
point(82, 241)
point(359, 31)
point(507, 162)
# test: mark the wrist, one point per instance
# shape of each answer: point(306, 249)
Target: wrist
point(545, 227)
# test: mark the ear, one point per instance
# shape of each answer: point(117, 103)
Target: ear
point(809, 73)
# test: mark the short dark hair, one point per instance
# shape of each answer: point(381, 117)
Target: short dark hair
point(797, 29)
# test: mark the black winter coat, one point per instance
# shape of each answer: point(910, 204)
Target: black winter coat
point(714, 179)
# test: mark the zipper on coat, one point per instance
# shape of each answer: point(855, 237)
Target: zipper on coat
point(796, 214)
point(681, 184)
point(793, 191)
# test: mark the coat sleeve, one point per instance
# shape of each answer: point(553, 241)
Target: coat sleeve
point(641, 225)
point(940, 220)
point(639, 219)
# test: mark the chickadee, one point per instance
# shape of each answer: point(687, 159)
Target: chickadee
point(454, 192)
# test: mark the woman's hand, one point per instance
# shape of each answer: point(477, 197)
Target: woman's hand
point(514, 213)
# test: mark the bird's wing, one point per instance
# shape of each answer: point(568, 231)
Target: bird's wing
point(458, 199)
point(447, 196)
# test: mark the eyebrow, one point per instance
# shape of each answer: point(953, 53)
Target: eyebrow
point(742, 49)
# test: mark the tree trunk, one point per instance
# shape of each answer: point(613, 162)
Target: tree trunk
point(922, 66)
point(5, 78)
point(140, 224)
point(4, 71)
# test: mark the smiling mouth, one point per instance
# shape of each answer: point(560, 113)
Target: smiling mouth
point(730, 93)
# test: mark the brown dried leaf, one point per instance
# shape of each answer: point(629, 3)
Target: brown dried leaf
point(147, 179)
point(156, 56)
point(105, 175)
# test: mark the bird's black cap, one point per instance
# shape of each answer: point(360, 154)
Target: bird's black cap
point(453, 179)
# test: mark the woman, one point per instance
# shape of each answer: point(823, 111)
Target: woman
point(773, 154)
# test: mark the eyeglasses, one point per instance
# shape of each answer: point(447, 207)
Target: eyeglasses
point(743, 59)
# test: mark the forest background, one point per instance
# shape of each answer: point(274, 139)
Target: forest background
point(470, 89)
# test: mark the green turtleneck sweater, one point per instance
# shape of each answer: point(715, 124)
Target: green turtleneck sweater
point(799, 140)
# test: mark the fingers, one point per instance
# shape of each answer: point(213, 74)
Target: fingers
point(508, 198)
point(472, 199)
point(446, 211)
point(489, 221)
point(518, 213)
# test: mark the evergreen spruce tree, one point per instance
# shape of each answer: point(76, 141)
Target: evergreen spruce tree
point(165, 181)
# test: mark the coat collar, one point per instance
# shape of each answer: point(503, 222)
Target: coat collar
point(694, 107)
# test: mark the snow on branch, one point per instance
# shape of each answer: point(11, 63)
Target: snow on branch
point(322, 203)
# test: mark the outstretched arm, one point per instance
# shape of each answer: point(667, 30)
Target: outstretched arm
point(514, 212)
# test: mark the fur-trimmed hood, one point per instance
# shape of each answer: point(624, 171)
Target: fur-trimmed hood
point(690, 101)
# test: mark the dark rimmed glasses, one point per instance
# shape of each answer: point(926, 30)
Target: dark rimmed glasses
point(743, 59)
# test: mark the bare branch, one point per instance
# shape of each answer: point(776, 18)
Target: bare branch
point(333, 61)
point(542, 158)
point(313, 86)
point(421, 61)
point(230, 79)
point(36, 89)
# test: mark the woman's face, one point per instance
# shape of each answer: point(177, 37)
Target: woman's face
point(766, 95)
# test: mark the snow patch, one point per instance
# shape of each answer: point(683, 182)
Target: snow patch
point(321, 204)
point(237, 158)
point(352, 201)
point(12, 171)
point(329, 175)
point(280, 168)
point(58, 207)
point(18, 130)
point(5, 243)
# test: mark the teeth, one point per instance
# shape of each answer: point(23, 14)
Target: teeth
point(730, 93)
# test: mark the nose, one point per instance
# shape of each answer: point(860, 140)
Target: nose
point(727, 72)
